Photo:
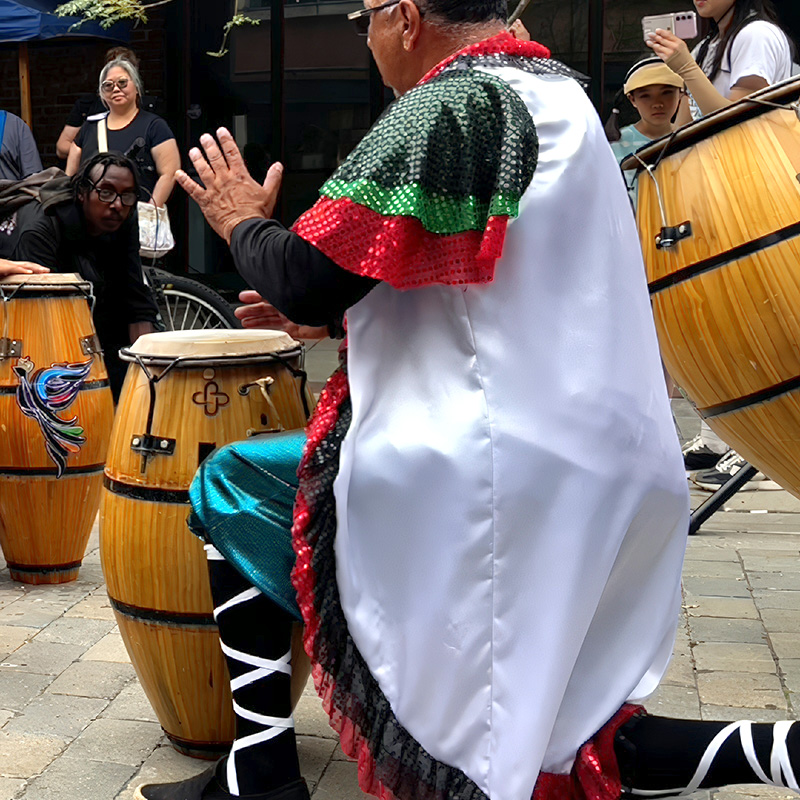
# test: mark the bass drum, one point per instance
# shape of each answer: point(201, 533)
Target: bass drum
point(56, 413)
point(186, 393)
point(718, 215)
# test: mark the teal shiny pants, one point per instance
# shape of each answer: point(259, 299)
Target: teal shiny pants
point(242, 503)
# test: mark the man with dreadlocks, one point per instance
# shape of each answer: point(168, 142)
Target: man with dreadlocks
point(490, 511)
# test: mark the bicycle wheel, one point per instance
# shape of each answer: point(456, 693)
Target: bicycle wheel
point(185, 304)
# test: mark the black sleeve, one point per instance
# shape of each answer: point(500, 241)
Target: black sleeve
point(299, 280)
point(79, 111)
point(38, 242)
point(138, 296)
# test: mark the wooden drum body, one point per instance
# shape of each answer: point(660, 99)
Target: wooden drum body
point(56, 413)
point(185, 393)
point(726, 298)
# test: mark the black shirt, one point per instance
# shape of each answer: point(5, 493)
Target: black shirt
point(136, 140)
point(89, 104)
point(299, 280)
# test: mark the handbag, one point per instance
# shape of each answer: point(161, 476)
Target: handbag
point(155, 233)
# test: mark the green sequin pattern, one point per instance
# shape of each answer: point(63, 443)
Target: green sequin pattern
point(451, 152)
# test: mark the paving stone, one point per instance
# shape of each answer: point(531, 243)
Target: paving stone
point(741, 689)
point(786, 645)
point(131, 703)
point(13, 637)
point(674, 701)
point(93, 679)
point(773, 562)
point(63, 716)
point(753, 793)
point(715, 587)
point(711, 629)
point(701, 549)
point(310, 719)
point(733, 657)
point(314, 754)
point(22, 756)
point(30, 612)
point(781, 620)
point(712, 569)
point(116, 741)
point(774, 599)
point(774, 580)
point(18, 688)
point(339, 782)
point(790, 667)
point(164, 765)
point(731, 714)
point(75, 778)
point(680, 672)
point(46, 658)
point(77, 631)
point(110, 648)
point(94, 606)
point(723, 607)
point(10, 788)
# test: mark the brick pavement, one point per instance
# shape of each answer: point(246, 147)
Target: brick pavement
point(74, 722)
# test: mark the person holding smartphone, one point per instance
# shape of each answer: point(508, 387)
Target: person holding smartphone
point(745, 50)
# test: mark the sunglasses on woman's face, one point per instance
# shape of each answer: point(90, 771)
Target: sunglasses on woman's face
point(108, 86)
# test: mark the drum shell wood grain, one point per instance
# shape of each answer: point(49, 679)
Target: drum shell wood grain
point(732, 331)
point(155, 569)
point(46, 521)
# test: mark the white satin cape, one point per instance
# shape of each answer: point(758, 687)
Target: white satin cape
point(511, 504)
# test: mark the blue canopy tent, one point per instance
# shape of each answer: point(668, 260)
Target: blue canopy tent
point(24, 21)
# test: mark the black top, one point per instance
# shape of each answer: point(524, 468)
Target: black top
point(299, 280)
point(58, 239)
point(144, 132)
point(89, 104)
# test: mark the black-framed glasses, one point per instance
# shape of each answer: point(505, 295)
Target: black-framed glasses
point(128, 199)
point(362, 18)
point(108, 86)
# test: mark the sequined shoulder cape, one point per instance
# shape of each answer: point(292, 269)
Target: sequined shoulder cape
point(492, 508)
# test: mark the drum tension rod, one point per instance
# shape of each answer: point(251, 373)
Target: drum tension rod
point(264, 385)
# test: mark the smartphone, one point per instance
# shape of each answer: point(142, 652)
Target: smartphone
point(682, 23)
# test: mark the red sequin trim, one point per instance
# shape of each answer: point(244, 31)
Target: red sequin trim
point(595, 774)
point(398, 249)
point(501, 43)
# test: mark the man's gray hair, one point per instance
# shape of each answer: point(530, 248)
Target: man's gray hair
point(457, 12)
point(133, 74)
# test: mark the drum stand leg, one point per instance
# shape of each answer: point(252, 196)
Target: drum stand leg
point(725, 492)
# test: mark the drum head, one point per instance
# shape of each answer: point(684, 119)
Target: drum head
point(212, 344)
point(47, 282)
point(783, 94)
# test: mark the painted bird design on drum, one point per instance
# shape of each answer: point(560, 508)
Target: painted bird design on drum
point(42, 394)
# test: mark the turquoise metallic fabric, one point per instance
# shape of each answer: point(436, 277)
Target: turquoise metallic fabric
point(242, 500)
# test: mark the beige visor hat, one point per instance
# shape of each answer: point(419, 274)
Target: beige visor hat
point(651, 71)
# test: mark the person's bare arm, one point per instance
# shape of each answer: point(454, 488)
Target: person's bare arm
point(74, 159)
point(746, 86)
point(167, 159)
point(65, 140)
point(258, 313)
point(137, 329)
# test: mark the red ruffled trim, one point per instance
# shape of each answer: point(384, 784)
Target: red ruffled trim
point(501, 43)
point(595, 774)
point(362, 241)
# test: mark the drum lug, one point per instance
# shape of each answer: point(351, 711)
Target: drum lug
point(149, 445)
point(670, 236)
point(90, 345)
point(10, 348)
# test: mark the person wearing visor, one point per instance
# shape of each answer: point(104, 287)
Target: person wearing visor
point(655, 91)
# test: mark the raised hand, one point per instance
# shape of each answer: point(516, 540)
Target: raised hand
point(229, 195)
point(20, 268)
point(258, 313)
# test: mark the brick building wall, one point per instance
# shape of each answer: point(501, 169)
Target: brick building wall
point(60, 71)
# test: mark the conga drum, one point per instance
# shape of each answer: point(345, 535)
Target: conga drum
point(719, 222)
point(56, 413)
point(186, 393)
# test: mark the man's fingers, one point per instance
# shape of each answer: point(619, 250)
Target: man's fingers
point(250, 296)
point(193, 189)
point(231, 150)
point(272, 183)
point(213, 153)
